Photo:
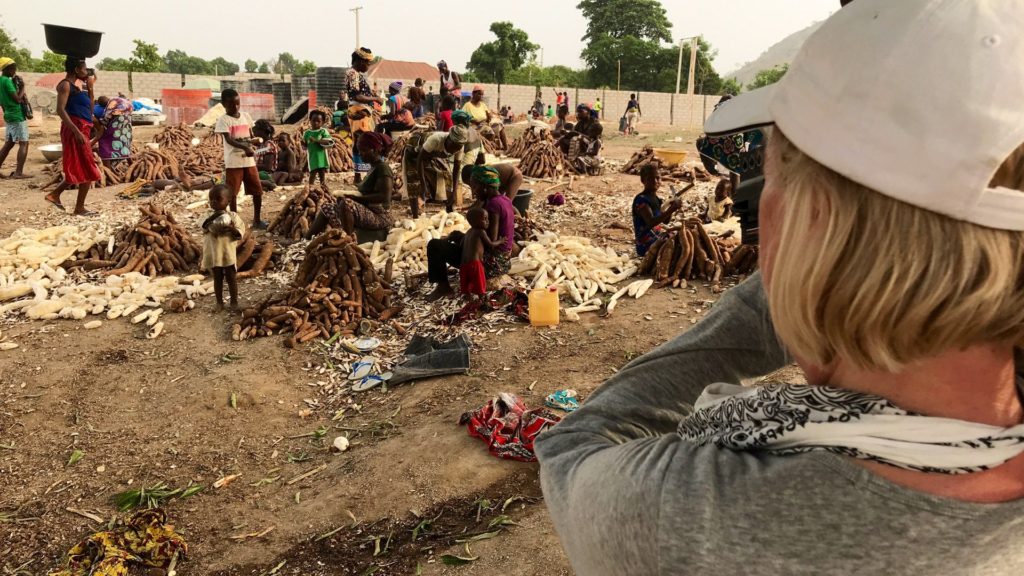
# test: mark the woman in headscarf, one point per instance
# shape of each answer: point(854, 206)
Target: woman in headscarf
point(443, 252)
point(370, 209)
point(400, 116)
point(115, 123)
point(429, 171)
point(74, 104)
point(582, 144)
point(361, 104)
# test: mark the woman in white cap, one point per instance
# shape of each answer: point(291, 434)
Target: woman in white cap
point(894, 280)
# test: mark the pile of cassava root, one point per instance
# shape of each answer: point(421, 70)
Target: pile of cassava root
point(157, 244)
point(251, 262)
point(294, 220)
point(532, 136)
point(542, 160)
point(335, 287)
point(690, 253)
point(686, 172)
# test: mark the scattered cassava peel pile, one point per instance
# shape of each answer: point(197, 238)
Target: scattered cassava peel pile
point(406, 245)
point(156, 244)
point(297, 216)
point(690, 253)
point(334, 288)
point(574, 263)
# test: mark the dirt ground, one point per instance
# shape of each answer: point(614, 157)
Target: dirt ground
point(158, 411)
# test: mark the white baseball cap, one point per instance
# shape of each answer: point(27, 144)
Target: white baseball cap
point(920, 100)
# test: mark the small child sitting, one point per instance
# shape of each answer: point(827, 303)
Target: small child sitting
point(720, 202)
point(222, 230)
point(472, 279)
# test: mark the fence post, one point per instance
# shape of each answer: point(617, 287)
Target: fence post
point(672, 110)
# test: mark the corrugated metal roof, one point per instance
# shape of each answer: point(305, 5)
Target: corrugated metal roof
point(399, 69)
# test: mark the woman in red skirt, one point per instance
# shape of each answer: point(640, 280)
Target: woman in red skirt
point(74, 104)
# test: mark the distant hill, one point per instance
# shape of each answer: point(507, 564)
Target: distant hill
point(782, 52)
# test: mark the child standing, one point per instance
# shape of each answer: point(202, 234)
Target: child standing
point(222, 230)
point(239, 157)
point(472, 279)
point(316, 140)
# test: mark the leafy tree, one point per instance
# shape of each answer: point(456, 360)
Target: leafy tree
point(9, 47)
point(493, 61)
point(114, 64)
point(305, 67)
point(180, 62)
point(286, 63)
point(222, 67)
point(768, 77)
point(730, 86)
point(535, 75)
point(644, 19)
point(50, 62)
point(146, 58)
point(264, 68)
point(251, 65)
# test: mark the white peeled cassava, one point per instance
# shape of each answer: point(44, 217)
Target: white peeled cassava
point(8, 345)
point(92, 325)
point(155, 331)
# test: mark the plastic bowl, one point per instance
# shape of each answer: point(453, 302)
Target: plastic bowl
point(52, 152)
point(72, 41)
point(671, 157)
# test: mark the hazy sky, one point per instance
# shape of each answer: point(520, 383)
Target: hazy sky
point(324, 30)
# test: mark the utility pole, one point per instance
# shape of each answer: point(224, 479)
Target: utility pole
point(618, 79)
point(356, 11)
point(679, 67)
point(693, 70)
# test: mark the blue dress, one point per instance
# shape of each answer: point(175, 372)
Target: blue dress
point(645, 236)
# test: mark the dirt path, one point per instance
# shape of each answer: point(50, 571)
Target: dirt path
point(145, 412)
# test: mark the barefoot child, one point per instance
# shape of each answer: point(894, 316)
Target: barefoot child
point(222, 230)
point(316, 140)
point(472, 279)
point(648, 217)
point(239, 161)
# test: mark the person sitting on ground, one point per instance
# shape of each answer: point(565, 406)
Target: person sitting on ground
point(289, 169)
point(114, 128)
point(476, 242)
point(484, 121)
point(648, 217)
point(222, 230)
point(12, 96)
point(370, 210)
point(316, 141)
point(266, 153)
point(582, 141)
point(720, 202)
point(444, 252)
point(444, 117)
point(235, 127)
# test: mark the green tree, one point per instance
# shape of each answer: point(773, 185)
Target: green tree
point(114, 64)
point(9, 47)
point(251, 65)
point(730, 86)
point(286, 63)
point(146, 58)
point(180, 62)
point(768, 77)
point(629, 32)
point(533, 75)
point(644, 19)
point(50, 62)
point(222, 67)
point(304, 68)
point(264, 68)
point(493, 61)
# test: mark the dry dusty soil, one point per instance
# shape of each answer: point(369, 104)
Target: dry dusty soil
point(145, 412)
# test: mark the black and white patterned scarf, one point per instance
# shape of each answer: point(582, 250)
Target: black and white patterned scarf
point(791, 418)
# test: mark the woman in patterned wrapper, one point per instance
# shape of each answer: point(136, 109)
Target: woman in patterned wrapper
point(896, 284)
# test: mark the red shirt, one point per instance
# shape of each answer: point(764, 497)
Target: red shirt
point(444, 121)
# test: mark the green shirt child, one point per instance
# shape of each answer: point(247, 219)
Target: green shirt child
point(9, 102)
point(316, 152)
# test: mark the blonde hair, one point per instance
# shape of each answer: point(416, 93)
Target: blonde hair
point(881, 283)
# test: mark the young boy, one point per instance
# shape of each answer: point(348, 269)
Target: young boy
point(221, 232)
point(288, 169)
point(12, 96)
point(472, 279)
point(316, 140)
point(648, 218)
point(239, 162)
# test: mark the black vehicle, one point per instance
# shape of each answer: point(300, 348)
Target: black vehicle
point(743, 155)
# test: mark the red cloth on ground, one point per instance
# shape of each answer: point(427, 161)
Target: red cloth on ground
point(508, 427)
point(472, 279)
point(79, 164)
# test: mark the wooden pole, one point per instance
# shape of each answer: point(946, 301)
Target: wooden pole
point(693, 69)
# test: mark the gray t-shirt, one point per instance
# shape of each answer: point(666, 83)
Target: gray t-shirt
point(629, 496)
